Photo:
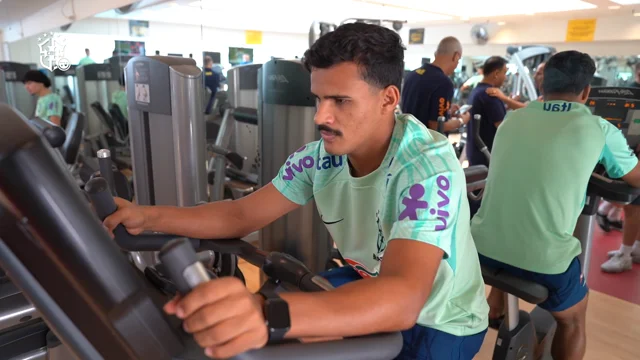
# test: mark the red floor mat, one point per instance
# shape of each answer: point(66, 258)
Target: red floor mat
point(625, 286)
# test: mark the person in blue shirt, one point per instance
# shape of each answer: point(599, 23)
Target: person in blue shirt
point(211, 81)
point(490, 108)
point(427, 91)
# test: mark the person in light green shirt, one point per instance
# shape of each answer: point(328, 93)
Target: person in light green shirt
point(391, 193)
point(87, 59)
point(119, 97)
point(542, 158)
point(49, 106)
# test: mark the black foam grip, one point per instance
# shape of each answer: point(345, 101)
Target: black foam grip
point(104, 205)
point(106, 172)
point(54, 134)
point(176, 256)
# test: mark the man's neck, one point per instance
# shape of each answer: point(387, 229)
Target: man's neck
point(439, 64)
point(369, 157)
point(44, 91)
point(562, 97)
point(489, 81)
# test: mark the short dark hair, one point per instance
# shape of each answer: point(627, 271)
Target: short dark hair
point(376, 50)
point(492, 64)
point(568, 72)
point(37, 76)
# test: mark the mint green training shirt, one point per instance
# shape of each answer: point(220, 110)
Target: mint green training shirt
point(49, 105)
point(542, 158)
point(119, 97)
point(417, 193)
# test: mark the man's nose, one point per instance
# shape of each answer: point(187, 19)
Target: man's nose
point(324, 114)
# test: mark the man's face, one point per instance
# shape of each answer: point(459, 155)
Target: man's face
point(33, 87)
point(538, 77)
point(501, 76)
point(348, 110)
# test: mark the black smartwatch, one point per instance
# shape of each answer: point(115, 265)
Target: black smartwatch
point(276, 314)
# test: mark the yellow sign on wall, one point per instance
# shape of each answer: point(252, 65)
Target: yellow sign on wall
point(253, 37)
point(581, 30)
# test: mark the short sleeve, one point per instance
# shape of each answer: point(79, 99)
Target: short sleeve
point(617, 158)
point(295, 178)
point(440, 101)
point(427, 210)
point(53, 107)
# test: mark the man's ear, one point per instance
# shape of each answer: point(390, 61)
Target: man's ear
point(390, 98)
point(585, 93)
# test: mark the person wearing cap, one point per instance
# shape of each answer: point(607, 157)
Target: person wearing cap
point(49, 105)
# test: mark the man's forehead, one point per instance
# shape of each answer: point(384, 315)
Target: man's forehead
point(341, 77)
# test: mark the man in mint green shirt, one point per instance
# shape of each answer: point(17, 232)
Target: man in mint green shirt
point(543, 156)
point(119, 97)
point(87, 59)
point(49, 105)
point(391, 193)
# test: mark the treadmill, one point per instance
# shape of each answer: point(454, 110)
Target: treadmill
point(96, 302)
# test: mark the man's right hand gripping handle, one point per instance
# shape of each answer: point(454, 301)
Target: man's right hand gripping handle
point(129, 238)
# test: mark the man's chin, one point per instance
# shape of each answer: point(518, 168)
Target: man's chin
point(334, 150)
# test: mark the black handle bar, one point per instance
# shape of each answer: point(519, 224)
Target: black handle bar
point(477, 119)
point(54, 134)
point(276, 265)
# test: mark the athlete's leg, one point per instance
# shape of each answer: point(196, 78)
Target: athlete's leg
point(570, 340)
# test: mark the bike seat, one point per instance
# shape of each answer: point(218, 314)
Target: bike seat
point(526, 290)
point(476, 177)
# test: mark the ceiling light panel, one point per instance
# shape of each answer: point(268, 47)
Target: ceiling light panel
point(474, 8)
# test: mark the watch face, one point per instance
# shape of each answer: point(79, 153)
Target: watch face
point(277, 314)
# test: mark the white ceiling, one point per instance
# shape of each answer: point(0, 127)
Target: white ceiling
point(297, 15)
point(14, 10)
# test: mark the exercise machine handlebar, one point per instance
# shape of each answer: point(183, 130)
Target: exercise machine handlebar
point(276, 265)
point(477, 119)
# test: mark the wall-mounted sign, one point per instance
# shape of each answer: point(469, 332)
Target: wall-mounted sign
point(416, 36)
point(253, 37)
point(581, 30)
point(138, 28)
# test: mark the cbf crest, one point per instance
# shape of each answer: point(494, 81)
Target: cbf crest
point(52, 52)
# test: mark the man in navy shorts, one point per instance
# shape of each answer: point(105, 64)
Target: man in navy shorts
point(543, 156)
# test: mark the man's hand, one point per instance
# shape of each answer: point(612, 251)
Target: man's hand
point(466, 117)
point(129, 215)
point(454, 108)
point(495, 92)
point(223, 316)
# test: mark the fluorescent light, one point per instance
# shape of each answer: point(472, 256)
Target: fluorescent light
point(626, 2)
point(501, 23)
point(614, 7)
point(636, 14)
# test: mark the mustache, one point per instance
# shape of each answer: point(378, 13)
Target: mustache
point(328, 129)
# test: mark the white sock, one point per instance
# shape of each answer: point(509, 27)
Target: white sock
point(636, 246)
point(604, 207)
point(615, 214)
point(626, 250)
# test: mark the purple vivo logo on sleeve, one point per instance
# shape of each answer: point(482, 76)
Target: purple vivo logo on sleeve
point(412, 203)
point(443, 215)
